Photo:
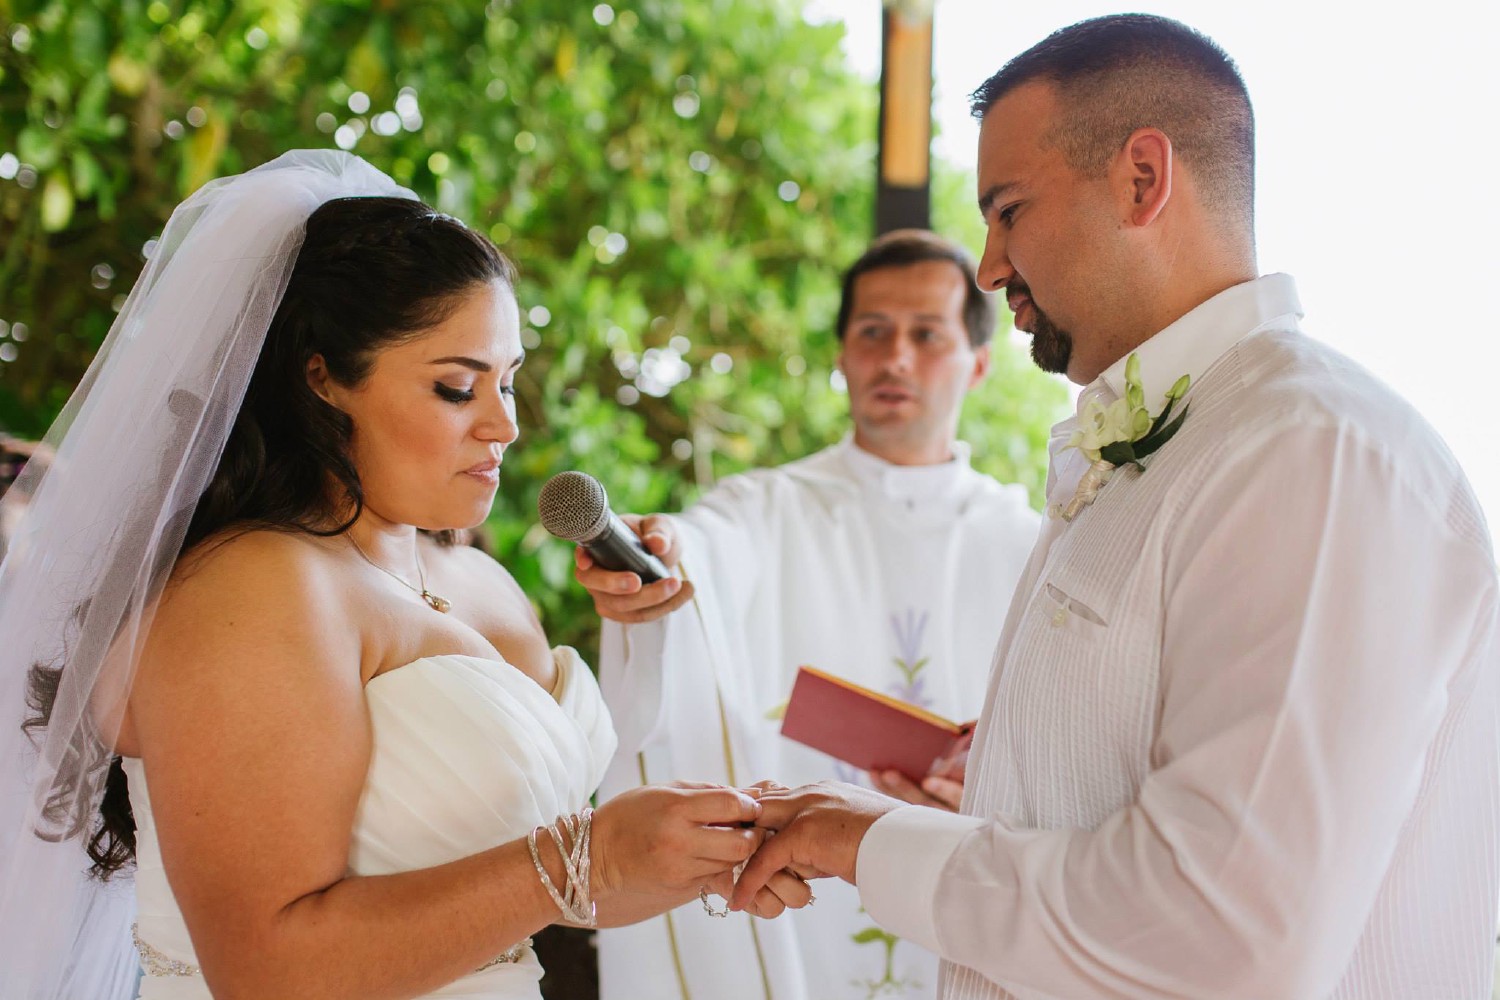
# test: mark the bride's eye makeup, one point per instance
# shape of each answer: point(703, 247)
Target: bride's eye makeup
point(451, 394)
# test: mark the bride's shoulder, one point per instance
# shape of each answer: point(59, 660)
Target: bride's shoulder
point(262, 607)
point(255, 567)
point(237, 548)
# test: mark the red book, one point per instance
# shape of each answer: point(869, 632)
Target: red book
point(873, 731)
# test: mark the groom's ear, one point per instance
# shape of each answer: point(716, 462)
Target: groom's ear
point(1143, 175)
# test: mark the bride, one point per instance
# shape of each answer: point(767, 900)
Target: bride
point(246, 659)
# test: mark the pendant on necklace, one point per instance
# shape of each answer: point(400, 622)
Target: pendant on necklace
point(437, 603)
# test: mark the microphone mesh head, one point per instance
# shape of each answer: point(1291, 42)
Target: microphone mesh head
point(573, 506)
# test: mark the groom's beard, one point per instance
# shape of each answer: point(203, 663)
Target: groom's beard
point(1051, 345)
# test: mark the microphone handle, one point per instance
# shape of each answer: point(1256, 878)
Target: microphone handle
point(620, 549)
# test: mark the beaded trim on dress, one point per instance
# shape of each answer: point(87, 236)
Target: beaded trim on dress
point(154, 963)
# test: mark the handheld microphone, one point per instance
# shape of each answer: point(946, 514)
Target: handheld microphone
point(574, 507)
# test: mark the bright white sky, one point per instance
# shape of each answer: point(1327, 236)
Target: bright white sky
point(1378, 172)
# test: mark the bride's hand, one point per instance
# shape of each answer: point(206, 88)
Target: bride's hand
point(671, 839)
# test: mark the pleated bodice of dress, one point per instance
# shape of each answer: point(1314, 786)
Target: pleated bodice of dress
point(467, 753)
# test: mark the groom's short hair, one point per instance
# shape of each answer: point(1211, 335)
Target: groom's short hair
point(1123, 72)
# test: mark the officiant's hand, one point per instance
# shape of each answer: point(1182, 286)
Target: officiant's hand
point(818, 828)
point(934, 791)
point(621, 597)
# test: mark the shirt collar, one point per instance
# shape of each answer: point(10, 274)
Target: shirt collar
point(1192, 344)
point(905, 482)
point(1189, 346)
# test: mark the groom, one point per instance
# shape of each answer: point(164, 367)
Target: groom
point(1240, 738)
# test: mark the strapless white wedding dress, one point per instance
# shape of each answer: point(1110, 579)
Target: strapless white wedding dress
point(467, 753)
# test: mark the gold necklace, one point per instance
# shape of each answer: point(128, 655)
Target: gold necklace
point(434, 602)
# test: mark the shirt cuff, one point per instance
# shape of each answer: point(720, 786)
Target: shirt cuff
point(899, 864)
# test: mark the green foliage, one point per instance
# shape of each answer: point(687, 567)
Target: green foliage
point(680, 183)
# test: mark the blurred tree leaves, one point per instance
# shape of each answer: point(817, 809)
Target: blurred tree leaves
point(679, 181)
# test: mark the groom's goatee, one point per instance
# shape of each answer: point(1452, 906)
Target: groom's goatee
point(1051, 345)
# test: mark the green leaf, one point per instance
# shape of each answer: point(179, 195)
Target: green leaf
point(1161, 419)
point(366, 70)
point(92, 99)
point(38, 147)
point(57, 203)
point(1119, 453)
point(204, 150)
point(86, 173)
point(1151, 445)
point(106, 201)
point(129, 76)
point(872, 934)
point(88, 36)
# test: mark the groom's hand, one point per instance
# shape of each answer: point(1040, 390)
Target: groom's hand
point(621, 597)
point(818, 828)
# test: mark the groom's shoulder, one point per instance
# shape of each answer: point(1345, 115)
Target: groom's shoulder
point(1287, 380)
point(1288, 384)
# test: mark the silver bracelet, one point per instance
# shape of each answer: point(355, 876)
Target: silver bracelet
point(575, 903)
point(580, 830)
point(569, 858)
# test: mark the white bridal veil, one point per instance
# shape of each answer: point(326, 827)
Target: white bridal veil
point(135, 447)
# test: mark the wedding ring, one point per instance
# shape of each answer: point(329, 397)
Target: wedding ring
point(709, 907)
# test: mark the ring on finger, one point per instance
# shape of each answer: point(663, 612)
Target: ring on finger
point(709, 907)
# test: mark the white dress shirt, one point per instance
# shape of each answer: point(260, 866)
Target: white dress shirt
point(1241, 735)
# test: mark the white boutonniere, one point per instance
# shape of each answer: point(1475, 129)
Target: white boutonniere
point(1122, 433)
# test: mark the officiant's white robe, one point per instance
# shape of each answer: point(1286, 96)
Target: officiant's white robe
point(894, 577)
point(1241, 737)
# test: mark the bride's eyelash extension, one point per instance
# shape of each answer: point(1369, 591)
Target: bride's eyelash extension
point(451, 394)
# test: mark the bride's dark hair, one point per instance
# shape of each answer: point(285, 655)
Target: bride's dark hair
point(371, 272)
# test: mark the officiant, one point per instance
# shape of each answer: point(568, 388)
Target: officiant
point(884, 559)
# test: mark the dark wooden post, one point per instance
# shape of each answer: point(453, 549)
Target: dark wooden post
point(902, 194)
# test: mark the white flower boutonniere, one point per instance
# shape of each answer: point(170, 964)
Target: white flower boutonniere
point(1122, 433)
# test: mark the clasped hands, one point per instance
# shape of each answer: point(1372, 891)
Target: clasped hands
point(809, 832)
point(776, 837)
point(671, 842)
